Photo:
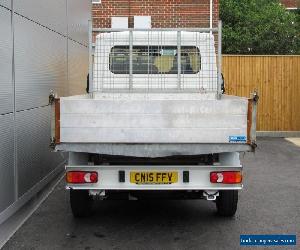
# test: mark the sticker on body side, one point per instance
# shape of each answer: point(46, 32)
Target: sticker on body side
point(237, 139)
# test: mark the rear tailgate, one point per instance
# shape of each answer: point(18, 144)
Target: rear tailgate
point(181, 118)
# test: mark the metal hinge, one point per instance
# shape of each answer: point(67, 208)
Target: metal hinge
point(255, 96)
point(52, 97)
point(52, 143)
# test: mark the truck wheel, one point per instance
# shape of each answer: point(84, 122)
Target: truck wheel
point(227, 202)
point(81, 203)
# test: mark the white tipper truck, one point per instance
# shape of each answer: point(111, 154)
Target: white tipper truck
point(155, 122)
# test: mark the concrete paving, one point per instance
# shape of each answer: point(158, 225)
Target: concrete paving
point(296, 141)
point(269, 204)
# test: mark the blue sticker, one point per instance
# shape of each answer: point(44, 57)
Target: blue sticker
point(237, 138)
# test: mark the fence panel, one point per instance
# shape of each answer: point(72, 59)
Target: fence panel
point(277, 79)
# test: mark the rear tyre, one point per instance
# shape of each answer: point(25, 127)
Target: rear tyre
point(227, 203)
point(81, 203)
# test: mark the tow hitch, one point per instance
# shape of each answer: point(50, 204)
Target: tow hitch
point(210, 195)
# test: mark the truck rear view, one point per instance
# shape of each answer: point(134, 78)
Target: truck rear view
point(156, 122)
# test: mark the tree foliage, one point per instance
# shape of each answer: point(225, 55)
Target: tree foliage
point(259, 27)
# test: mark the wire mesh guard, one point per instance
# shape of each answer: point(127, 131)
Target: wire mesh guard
point(154, 60)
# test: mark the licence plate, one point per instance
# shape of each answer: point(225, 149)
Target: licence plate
point(153, 177)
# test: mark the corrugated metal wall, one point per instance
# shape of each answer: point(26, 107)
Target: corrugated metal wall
point(43, 47)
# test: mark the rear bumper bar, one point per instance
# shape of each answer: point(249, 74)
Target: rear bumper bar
point(199, 178)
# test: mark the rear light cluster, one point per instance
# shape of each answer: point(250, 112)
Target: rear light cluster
point(226, 177)
point(77, 177)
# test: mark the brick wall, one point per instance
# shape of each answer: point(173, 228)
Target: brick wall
point(164, 13)
point(291, 3)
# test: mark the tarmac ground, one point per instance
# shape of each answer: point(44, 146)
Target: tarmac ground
point(268, 204)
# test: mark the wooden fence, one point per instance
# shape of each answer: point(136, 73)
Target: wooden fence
point(277, 79)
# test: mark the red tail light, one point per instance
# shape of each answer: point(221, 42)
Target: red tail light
point(226, 177)
point(77, 177)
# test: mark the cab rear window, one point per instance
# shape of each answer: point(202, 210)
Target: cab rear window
point(154, 60)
